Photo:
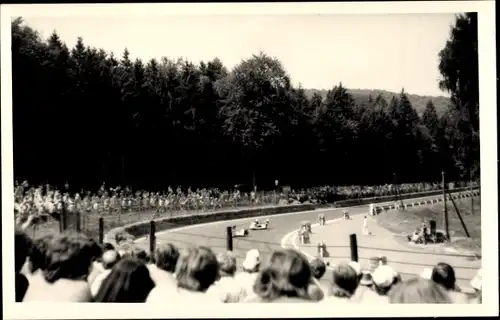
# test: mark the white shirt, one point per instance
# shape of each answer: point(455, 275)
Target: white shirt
point(96, 284)
point(226, 290)
point(365, 222)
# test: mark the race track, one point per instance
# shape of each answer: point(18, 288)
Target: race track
point(213, 234)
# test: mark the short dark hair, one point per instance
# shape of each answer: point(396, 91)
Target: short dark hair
point(95, 250)
point(38, 253)
point(107, 246)
point(69, 256)
point(344, 282)
point(166, 257)
point(140, 254)
point(444, 275)
point(318, 268)
point(129, 281)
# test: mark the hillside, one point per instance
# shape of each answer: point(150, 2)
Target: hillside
point(418, 102)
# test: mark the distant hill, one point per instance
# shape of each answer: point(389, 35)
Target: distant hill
point(418, 102)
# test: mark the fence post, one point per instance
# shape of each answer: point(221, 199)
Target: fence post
point(354, 247)
point(78, 222)
point(152, 237)
point(229, 238)
point(446, 227)
point(101, 230)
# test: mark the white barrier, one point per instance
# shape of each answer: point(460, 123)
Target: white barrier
point(398, 206)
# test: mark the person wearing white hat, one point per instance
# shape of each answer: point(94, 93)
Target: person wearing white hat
point(252, 261)
point(246, 279)
point(384, 278)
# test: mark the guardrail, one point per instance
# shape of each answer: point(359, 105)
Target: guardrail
point(362, 201)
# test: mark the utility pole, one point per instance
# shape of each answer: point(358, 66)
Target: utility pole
point(446, 227)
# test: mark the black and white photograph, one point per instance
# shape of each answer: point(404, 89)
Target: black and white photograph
point(189, 159)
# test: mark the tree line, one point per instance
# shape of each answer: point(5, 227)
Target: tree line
point(83, 115)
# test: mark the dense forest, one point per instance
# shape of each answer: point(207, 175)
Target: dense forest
point(83, 116)
point(418, 102)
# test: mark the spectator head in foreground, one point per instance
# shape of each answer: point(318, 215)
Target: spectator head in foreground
point(344, 282)
point(69, 256)
point(197, 269)
point(166, 257)
point(318, 268)
point(444, 275)
point(252, 261)
point(288, 275)
point(109, 259)
point(418, 290)
point(38, 253)
point(227, 264)
point(366, 278)
point(140, 254)
point(128, 282)
point(107, 246)
point(384, 277)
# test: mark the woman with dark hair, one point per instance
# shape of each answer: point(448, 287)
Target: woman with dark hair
point(65, 270)
point(128, 282)
point(418, 290)
point(444, 275)
point(286, 279)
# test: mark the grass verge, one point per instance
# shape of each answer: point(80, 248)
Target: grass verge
point(404, 222)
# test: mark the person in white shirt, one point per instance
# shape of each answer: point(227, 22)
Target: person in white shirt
point(226, 289)
point(365, 226)
point(162, 272)
point(109, 260)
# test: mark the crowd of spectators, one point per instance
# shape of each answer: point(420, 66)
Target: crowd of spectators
point(70, 267)
point(42, 202)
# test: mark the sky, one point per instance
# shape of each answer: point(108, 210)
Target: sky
point(318, 51)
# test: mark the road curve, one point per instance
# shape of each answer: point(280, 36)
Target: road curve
point(213, 234)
